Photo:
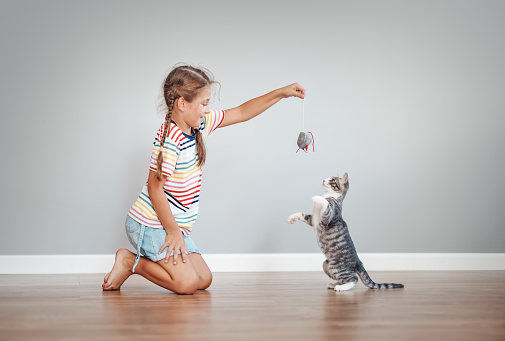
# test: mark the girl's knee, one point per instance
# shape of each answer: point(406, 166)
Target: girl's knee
point(187, 286)
point(205, 281)
point(191, 285)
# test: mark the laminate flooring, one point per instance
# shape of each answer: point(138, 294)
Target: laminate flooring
point(468, 305)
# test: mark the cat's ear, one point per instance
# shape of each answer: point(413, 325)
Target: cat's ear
point(345, 178)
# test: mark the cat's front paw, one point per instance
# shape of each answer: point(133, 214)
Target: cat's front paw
point(295, 217)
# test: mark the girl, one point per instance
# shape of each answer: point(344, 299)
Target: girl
point(159, 223)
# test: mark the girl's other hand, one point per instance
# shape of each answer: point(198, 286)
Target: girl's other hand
point(175, 242)
point(293, 90)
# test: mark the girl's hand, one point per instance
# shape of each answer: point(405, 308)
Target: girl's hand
point(175, 242)
point(293, 90)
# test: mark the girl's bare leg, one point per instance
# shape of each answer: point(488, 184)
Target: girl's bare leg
point(182, 278)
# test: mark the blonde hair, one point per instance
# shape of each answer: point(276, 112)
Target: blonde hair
point(183, 81)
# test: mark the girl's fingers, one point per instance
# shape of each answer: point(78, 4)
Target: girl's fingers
point(169, 251)
point(183, 251)
point(162, 248)
point(295, 90)
point(176, 255)
point(184, 254)
point(176, 249)
point(299, 91)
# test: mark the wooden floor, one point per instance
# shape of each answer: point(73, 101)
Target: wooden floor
point(256, 306)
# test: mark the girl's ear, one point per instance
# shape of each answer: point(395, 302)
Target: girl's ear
point(181, 103)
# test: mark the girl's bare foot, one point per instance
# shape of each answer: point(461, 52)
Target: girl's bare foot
point(120, 271)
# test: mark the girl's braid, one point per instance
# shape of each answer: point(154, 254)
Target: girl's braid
point(200, 148)
point(170, 99)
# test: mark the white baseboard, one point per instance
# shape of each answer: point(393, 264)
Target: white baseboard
point(71, 264)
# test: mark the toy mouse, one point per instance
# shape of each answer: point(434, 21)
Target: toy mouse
point(304, 141)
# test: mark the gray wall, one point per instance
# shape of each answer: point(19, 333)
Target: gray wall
point(405, 96)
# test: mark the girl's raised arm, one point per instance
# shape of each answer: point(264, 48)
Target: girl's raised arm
point(256, 106)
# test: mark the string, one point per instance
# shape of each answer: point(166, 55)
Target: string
point(303, 114)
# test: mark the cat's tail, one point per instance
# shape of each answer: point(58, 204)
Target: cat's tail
point(360, 270)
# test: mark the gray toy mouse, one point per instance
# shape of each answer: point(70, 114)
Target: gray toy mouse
point(304, 141)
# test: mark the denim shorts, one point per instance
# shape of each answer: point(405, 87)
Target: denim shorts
point(148, 241)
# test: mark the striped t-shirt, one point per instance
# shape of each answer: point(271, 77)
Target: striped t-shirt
point(184, 176)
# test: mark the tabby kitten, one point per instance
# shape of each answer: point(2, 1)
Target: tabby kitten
point(342, 263)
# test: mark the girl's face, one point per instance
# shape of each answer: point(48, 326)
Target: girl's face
point(197, 109)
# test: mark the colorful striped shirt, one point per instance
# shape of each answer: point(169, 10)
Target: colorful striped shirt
point(184, 176)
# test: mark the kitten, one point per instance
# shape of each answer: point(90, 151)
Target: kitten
point(342, 263)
